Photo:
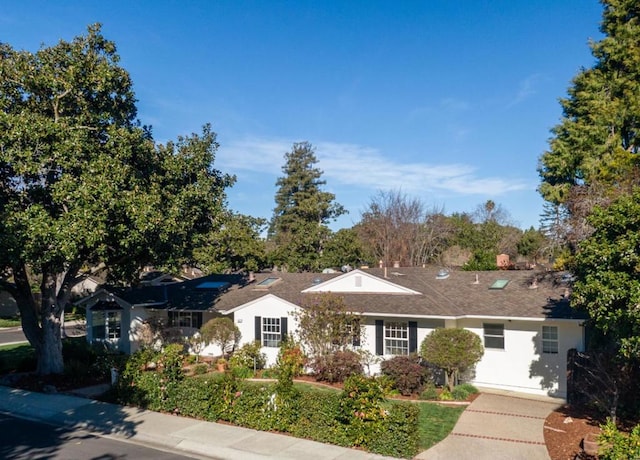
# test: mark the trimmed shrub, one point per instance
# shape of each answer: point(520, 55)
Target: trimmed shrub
point(407, 374)
point(357, 417)
point(337, 367)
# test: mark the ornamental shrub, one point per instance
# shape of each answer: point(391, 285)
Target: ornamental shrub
point(289, 364)
point(452, 349)
point(407, 374)
point(615, 445)
point(462, 392)
point(336, 367)
point(249, 356)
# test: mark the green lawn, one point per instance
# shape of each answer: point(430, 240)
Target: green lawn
point(17, 357)
point(436, 422)
point(9, 322)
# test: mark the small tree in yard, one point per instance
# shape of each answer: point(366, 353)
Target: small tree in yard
point(222, 332)
point(326, 326)
point(453, 349)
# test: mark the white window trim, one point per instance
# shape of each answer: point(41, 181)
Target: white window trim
point(108, 317)
point(550, 346)
point(491, 336)
point(396, 337)
point(271, 332)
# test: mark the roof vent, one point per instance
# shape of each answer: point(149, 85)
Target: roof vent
point(317, 281)
point(442, 274)
point(477, 280)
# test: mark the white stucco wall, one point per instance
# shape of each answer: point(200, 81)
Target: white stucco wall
point(522, 366)
point(267, 307)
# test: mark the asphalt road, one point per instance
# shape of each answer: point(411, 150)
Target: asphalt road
point(24, 439)
point(15, 334)
point(12, 335)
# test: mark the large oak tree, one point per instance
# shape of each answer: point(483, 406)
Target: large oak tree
point(83, 185)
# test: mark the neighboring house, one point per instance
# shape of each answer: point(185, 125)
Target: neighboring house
point(86, 286)
point(523, 317)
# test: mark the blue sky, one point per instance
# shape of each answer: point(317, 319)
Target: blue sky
point(447, 101)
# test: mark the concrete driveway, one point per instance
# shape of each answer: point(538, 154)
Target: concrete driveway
point(498, 426)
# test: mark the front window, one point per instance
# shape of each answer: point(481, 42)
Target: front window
point(271, 332)
point(550, 339)
point(396, 338)
point(494, 336)
point(107, 325)
point(191, 319)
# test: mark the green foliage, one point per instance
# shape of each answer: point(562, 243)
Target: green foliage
point(289, 364)
point(429, 392)
point(9, 322)
point(606, 270)
point(452, 349)
point(200, 369)
point(462, 392)
point(406, 372)
point(83, 183)
point(222, 332)
point(593, 152)
point(615, 445)
point(336, 367)
point(325, 325)
point(235, 246)
point(249, 356)
point(531, 243)
point(481, 260)
point(358, 416)
point(343, 247)
point(299, 224)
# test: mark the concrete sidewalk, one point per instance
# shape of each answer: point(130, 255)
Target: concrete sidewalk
point(168, 432)
point(498, 426)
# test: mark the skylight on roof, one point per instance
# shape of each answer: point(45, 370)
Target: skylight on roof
point(499, 284)
point(268, 281)
point(219, 285)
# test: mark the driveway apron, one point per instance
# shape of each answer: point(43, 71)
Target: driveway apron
point(497, 426)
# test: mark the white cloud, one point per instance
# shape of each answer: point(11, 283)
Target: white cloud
point(366, 168)
point(527, 88)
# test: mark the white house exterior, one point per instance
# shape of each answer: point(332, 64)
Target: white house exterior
point(523, 317)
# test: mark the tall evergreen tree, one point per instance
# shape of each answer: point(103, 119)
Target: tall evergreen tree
point(299, 224)
point(592, 155)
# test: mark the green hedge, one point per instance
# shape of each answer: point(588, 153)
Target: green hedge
point(389, 428)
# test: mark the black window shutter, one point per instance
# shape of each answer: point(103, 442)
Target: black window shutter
point(379, 337)
point(199, 320)
point(258, 327)
point(283, 328)
point(413, 336)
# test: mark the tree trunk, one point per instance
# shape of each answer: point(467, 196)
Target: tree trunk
point(50, 355)
point(41, 323)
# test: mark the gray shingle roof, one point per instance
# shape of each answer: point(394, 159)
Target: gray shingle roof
point(456, 296)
